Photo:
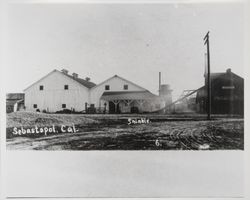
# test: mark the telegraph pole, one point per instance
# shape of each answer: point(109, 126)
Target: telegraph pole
point(206, 39)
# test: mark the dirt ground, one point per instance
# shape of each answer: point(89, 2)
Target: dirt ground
point(162, 133)
point(23, 118)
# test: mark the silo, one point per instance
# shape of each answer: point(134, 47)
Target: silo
point(166, 93)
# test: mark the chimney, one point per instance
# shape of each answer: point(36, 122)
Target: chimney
point(75, 75)
point(228, 70)
point(65, 71)
point(87, 79)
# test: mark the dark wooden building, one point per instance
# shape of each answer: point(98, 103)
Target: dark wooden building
point(227, 94)
point(14, 102)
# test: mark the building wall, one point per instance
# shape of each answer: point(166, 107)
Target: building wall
point(116, 84)
point(147, 106)
point(9, 108)
point(54, 95)
point(18, 107)
point(227, 95)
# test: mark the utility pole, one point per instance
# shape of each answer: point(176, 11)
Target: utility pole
point(159, 83)
point(206, 39)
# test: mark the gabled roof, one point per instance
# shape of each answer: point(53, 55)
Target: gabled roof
point(121, 95)
point(14, 96)
point(219, 74)
point(83, 82)
point(215, 76)
point(116, 76)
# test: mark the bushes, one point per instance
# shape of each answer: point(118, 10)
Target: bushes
point(91, 110)
point(64, 111)
point(67, 111)
point(134, 109)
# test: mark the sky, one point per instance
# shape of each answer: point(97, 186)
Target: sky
point(134, 41)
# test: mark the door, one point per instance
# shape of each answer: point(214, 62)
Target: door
point(114, 109)
point(111, 107)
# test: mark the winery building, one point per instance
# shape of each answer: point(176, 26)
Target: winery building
point(60, 90)
point(227, 94)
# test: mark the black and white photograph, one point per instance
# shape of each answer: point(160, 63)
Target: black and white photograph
point(144, 99)
point(126, 77)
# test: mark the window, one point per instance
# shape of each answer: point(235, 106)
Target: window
point(125, 87)
point(41, 87)
point(63, 105)
point(66, 87)
point(34, 105)
point(106, 87)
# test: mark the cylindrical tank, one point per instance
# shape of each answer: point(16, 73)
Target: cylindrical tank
point(165, 89)
point(166, 93)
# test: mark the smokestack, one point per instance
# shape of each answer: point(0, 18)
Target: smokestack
point(159, 82)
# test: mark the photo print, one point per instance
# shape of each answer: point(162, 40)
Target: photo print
point(125, 77)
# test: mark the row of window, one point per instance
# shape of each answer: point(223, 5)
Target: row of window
point(107, 87)
point(66, 87)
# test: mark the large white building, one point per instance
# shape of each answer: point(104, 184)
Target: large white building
point(59, 90)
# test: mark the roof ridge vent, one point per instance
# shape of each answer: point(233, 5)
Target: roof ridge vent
point(75, 75)
point(65, 71)
point(229, 70)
